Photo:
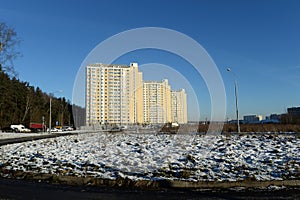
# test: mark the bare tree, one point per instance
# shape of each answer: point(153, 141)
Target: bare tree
point(8, 52)
point(28, 104)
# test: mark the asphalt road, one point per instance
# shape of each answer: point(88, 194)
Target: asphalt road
point(37, 137)
point(24, 189)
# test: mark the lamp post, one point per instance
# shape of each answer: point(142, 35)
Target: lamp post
point(51, 94)
point(236, 100)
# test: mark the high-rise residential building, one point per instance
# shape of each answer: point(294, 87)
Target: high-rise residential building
point(114, 94)
point(157, 102)
point(179, 106)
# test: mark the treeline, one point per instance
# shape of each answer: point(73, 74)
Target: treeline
point(21, 103)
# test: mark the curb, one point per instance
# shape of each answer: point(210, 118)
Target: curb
point(145, 184)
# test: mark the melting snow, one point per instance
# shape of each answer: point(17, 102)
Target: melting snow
point(149, 156)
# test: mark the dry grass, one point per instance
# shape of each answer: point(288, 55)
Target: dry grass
point(275, 128)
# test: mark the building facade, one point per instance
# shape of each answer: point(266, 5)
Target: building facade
point(116, 94)
point(157, 102)
point(113, 94)
point(294, 111)
point(179, 106)
point(252, 119)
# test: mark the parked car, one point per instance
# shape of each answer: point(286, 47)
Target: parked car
point(53, 130)
point(67, 128)
point(115, 129)
point(70, 129)
point(123, 127)
point(8, 130)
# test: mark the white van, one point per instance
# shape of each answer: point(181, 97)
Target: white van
point(20, 128)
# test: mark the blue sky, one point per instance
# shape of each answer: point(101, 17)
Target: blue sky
point(259, 40)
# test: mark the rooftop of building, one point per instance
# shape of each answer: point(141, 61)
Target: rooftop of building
point(108, 65)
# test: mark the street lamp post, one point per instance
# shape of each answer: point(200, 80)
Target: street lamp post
point(236, 100)
point(50, 114)
point(51, 94)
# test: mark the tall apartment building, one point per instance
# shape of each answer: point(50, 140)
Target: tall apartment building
point(157, 102)
point(114, 94)
point(179, 106)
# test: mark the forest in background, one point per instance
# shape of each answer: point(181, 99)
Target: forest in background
point(21, 103)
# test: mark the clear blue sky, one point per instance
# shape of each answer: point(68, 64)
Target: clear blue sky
point(259, 40)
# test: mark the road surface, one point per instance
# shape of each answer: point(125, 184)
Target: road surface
point(24, 189)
